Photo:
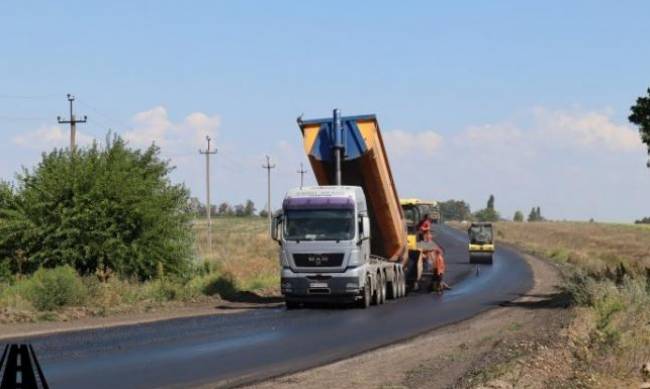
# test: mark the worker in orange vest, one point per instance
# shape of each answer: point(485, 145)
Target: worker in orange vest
point(424, 229)
point(439, 271)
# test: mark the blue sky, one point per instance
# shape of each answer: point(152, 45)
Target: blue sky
point(526, 101)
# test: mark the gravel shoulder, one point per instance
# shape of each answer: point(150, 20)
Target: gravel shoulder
point(467, 354)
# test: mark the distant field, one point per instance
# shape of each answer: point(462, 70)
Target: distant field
point(242, 247)
point(593, 246)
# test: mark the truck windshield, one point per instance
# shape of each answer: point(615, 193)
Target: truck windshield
point(319, 224)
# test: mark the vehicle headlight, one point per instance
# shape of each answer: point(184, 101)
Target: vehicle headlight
point(356, 258)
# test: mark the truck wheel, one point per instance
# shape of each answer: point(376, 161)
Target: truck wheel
point(376, 293)
point(366, 297)
point(382, 288)
point(393, 292)
point(291, 305)
point(402, 285)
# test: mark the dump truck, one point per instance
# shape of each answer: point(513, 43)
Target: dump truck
point(481, 243)
point(344, 240)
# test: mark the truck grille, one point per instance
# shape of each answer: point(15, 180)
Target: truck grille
point(318, 260)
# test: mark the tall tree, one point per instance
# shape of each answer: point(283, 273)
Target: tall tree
point(641, 117)
point(490, 203)
point(249, 208)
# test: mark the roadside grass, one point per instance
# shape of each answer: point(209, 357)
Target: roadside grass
point(243, 260)
point(607, 275)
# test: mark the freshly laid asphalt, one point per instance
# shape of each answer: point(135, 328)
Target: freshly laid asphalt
point(239, 348)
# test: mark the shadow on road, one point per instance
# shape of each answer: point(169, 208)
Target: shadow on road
point(250, 300)
point(540, 301)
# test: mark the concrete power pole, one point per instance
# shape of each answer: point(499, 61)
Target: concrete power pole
point(207, 154)
point(73, 124)
point(302, 172)
point(268, 168)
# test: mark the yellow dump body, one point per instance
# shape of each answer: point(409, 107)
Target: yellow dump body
point(365, 164)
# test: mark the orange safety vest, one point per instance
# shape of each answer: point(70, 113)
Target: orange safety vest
point(439, 263)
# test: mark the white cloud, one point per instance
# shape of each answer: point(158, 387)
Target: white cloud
point(49, 137)
point(401, 142)
point(155, 126)
point(586, 129)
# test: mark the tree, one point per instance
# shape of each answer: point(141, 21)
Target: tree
point(519, 217)
point(535, 215)
point(489, 214)
point(249, 208)
point(490, 203)
point(641, 117)
point(224, 209)
point(455, 210)
point(264, 213)
point(240, 210)
point(97, 209)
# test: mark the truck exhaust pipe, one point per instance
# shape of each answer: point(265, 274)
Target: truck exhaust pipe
point(338, 144)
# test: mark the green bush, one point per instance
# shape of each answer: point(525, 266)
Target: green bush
point(48, 289)
point(112, 207)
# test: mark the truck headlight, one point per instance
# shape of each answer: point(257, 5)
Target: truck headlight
point(356, 259)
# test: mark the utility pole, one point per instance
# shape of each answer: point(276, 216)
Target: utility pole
point(268, 168)
point(73, 124)
point(302, 172)
point(207, 154)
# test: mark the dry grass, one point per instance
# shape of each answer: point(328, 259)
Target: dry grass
point(610, 338)
point(243, 259)
point(591, 246)
point(241, 246)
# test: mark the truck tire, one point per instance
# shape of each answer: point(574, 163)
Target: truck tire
point(291, 305)
point(382, 288)
point(402, 284)
point(366, 297)
point(376, 293)
point(393, 292)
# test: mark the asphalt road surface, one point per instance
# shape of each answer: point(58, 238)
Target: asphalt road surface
point(245, 347)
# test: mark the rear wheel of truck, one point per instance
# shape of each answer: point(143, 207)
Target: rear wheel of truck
point(391, 288)
point(382, 288)
point(376, 295)
point(366, 296)
point(402, 284)
point(291, 305)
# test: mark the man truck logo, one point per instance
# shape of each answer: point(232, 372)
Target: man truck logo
point(317, 259)
point(19, 368)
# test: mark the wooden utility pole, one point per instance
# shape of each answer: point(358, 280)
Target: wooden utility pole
point(207, 154)
point(268, 168)
point(73, 124)
point(302, 172)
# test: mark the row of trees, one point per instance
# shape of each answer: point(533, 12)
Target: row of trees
point(199, 209)
point(460, 210)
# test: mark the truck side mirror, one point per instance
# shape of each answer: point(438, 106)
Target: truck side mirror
point(276, 225)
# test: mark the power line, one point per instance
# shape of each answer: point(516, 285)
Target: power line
point(268, 168)
point(73, 124)
point(26, 97)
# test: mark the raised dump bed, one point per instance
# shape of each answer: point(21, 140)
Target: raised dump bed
point(364, 163)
